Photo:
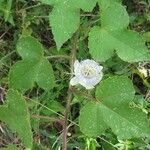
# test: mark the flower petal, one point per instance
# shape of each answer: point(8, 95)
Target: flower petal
point(99, 68)
point(74, 81)
point(87, 81)
point(90, 83)
point(76, 63)
point(77, 70)
point(89, 87)
point(95, 80)
point(84, 83)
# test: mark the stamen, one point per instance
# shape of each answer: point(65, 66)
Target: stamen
point(88, 71)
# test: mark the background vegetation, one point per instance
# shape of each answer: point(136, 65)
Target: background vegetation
point(44, 90)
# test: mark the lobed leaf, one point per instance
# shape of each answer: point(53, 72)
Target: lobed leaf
point(128, 45)
point(33, 68)
point(113, 36)
point(15, 114)
point(126, 122)
point(114, 111)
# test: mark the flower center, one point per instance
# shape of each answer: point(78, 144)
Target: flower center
point(88, 71)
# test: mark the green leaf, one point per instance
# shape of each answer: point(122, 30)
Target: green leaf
point(113, 36)
point(116, 93)
point(119, 90)
point(126, 122)
point(106, 3)
point(146, 36)
point(64, 20)
point(7, 11)
point(25, 73)
point(121, 41)
point(86, 5)
point(113, 110)
point(114, 17)
point(91, 120)
point(101, 48)
point(29, 48)
point(5, 8)
point(33, 68)
point(65, 17)
point(131, 51)
point(15, 114)
point(45, 76)
point(55, 106)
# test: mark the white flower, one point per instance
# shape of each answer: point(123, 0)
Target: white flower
point(88, 73)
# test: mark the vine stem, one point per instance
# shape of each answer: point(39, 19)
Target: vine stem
point(69, 92)
point(58, 57)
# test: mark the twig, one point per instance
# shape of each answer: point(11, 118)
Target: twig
point(106, 141)
point(6, 56)
point(58, 57)
point(1, 36)
point(33, 6)
point(69, 96)
point(51, 110)
point(60, 136)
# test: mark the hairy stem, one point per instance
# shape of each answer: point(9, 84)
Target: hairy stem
point(69, 93)
point(59, 57)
